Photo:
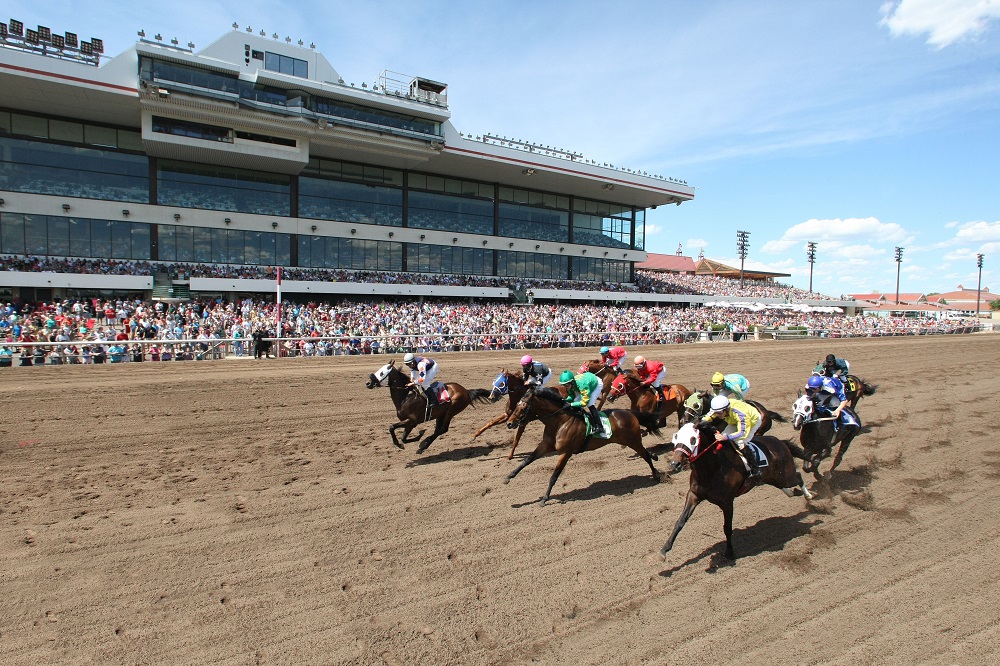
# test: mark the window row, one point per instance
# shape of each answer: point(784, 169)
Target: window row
point(49, 235)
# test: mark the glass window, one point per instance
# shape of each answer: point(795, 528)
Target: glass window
point(166, 242)
point(36, 234)
point(640, 229)
point(29, 125)
point(100, 238)
point(201, 240)
point(12, 233)
point(4, 121)
point(58, 236)
point(60, 130)
point(350, 202)
point(121, 240)
point(140, 240)
point(223, 188)
point(76, 171)
point(220, 245)
point(450, 213)
point(367, 116)
point(251, 247)
point(79, 238)
point(129, 140)
point(100, 136)
point(522, 221)
point(185, 243)
point(234, 245)
point(266, 249)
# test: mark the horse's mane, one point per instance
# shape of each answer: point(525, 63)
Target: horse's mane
point(551, 395)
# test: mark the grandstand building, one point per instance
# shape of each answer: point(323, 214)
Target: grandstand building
point(256, 151)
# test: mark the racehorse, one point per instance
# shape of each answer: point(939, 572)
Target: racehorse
point(645, 399)
point(511, 385)
point(818, 434)
point(699, 402)
point(411, 406)
point(596, 366)
point(855, 388)
point(719, 475)
point(566, 431)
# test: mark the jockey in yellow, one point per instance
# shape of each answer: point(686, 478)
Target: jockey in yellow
point(742, 421)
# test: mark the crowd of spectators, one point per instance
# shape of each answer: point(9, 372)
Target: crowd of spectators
point(95, 330)
point(645, 281)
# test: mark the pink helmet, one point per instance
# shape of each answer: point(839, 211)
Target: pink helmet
point(526, 360)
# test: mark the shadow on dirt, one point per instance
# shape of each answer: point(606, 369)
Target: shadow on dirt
point(612, 488)
point(767, 535)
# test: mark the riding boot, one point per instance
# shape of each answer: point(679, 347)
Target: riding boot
point(751, 459)
point(596, 427)
point(659, 393)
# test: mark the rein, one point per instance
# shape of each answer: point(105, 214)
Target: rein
point(715, 447)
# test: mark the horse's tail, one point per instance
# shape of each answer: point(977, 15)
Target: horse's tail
point(795, 449)
point(868, 389)
point(649, 421)
point(776, 417)
point(479, 395)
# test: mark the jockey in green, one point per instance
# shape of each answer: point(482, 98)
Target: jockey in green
point(583, 391)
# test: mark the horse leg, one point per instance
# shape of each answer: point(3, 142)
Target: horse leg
point(498, 420)
point(543, 447)
point(555, 475)
point(517, 438)
point(727, 527)
point(844, 445)
point(396, 426)
point(440, 428)
point(690, 502)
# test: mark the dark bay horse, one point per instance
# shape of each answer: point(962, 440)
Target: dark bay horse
point(604, 373)
point(818, 435)
point(719, 475)
point(511, 385)
point(855, 388)
point(411, 407)
point(698, 404)
point(644, 398)
point(565, 431)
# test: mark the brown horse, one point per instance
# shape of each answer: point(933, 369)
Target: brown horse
point(645, 399)
point(511, 385)
point(411, 406)
point(698, 404)
point(566, 431)
point(719, 475)
point(596, 366)
point(855, 388)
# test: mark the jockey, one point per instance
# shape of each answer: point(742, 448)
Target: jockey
point(743, 421)
point(613, 358)
point(651, 373)
point(422, 372)
point(731, 386)
point(836, 367)
point(582, 391)
point(535, 372)
point(828, 394)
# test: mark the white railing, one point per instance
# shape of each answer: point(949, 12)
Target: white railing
point(130, 351)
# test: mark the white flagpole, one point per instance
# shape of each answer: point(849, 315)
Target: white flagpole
point(277, 316)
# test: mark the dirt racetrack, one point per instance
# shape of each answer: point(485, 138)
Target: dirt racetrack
point(255, 512)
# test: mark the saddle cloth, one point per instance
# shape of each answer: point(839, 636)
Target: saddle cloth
point(851, 384)
point(605, 422)
point(757, 453)
point(440, 393)
point(669, 392)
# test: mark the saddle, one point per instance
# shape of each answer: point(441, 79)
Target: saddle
point(605, 423)
point(439, 392)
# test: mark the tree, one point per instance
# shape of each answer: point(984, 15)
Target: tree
point(995, 304)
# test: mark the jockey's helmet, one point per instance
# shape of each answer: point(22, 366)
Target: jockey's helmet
point(720, 403)
point(566, 377)
point(831, 359)
point(526, 360)
point(640, 361)
point(717, 379)
point(604, 350)
point(408, 359)
point(815, 383)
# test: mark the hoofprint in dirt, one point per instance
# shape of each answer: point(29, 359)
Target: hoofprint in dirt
point(236, 513)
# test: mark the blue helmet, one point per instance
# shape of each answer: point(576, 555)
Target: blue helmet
point(604, 350)
point(815, 382)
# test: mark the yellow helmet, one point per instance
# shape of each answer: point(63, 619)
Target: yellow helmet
point(717, 379)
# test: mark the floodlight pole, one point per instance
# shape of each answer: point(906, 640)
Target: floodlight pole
point(811, 255)
point(742, 247)
point(979, 286)
point(899, 262)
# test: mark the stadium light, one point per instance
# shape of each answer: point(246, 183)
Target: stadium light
point(899, 262)
point(743, 248)
point(979, 286)
point(811, 255)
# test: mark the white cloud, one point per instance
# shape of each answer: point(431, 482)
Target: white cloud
point(653, 229)
point(943, 21)
point(692, 243)
point(979, 231)
point(835, 234)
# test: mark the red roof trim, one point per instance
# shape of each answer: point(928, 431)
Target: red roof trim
point(66, 77)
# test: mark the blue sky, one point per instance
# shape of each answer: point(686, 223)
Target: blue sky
point(857, 125)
